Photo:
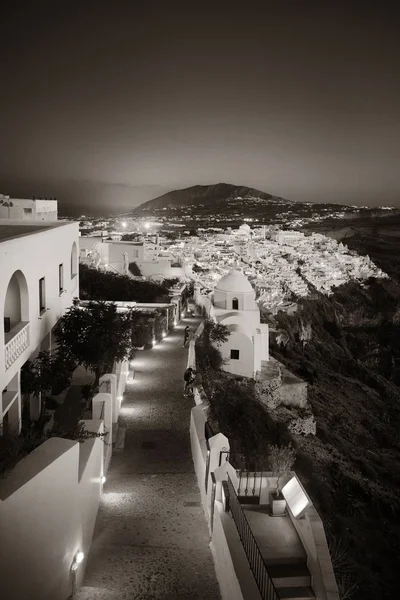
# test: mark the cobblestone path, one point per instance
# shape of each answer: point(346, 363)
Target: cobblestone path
point(151, 540)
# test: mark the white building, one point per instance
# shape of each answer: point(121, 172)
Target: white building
point(116, 255)
point(30, 209)
point(39, 278)
point(234, 305)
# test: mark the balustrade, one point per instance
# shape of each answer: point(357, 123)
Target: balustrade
point(15, 346)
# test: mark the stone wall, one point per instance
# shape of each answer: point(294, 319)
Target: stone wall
point(269, 390)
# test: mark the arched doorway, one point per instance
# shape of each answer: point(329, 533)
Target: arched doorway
point(235, 304)
point(16, 305)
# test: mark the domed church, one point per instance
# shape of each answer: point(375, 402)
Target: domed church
point(234, 305)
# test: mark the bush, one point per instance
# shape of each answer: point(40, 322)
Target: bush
point(208, 358)
point(134, 269)
point(98, 285)
point(281, 460)
point(244, 420)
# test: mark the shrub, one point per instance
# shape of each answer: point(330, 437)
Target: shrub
point(134, 269)
point(281, 460)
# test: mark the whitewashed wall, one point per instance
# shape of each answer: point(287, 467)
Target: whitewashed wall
point(48, 508)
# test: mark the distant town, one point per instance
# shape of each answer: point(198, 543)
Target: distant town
point(282, 264)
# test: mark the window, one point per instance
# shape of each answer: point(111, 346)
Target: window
point(60, 279)
point(235, 354)
point(235, 304)
point(27, 211)
point(42, 296)
point(74, 261)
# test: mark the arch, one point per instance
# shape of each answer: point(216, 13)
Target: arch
point(74, 260)
point(16, 303)
point(235, 304)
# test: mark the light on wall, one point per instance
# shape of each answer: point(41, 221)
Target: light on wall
point(296, 498)
point(103, 479)
point(78, 558)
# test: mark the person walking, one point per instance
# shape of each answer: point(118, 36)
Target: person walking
point(186, 334)
point(188, 379)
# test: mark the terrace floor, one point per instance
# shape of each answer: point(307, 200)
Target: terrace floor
point(276, 537)
point(151, 540)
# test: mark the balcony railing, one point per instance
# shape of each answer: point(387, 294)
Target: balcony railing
point(249, 474)
point(16, 342)
point(250, 546)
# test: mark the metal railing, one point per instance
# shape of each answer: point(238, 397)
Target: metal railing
point(257, 565)
point(249, 473)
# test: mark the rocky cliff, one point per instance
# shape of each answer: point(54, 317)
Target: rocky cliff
point(347, 348)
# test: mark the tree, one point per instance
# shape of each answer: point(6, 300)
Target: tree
point(98, 285)
point(96, 336)
point(281, 460)
point(45, 375)
point(214, 333)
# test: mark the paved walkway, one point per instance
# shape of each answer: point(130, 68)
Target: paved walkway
point(151, 540)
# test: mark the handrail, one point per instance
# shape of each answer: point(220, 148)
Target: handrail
point(257, 565)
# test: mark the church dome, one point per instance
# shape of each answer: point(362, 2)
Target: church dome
point(244, 228)
point(234, 282)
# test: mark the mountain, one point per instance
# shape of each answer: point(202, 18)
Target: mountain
point(205, 195)
point(227, 205)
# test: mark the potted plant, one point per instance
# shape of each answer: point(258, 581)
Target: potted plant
point(281, 460)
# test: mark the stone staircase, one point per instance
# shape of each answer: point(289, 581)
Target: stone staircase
point(291, 578)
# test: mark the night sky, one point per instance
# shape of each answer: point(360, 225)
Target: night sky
point(295, 98)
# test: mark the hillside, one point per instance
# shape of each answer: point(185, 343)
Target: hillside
point(227, 205)
point(207, 195)
point(378, 237)
point(352, 466)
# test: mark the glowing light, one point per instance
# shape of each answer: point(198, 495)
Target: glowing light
point(147, 225)
point(124, 224)
point(79, 556)
point(103, 479)
point(120, 398)
point(295, 496)
point(153, 343)
point(163, 335)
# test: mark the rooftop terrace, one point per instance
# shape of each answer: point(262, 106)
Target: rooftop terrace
point(10, 229)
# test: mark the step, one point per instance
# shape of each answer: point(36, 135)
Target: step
point(290, 575)
point(249, 499)
point(295, 593)
point(284, 560)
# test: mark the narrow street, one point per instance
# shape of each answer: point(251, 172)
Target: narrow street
point(151, 539)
